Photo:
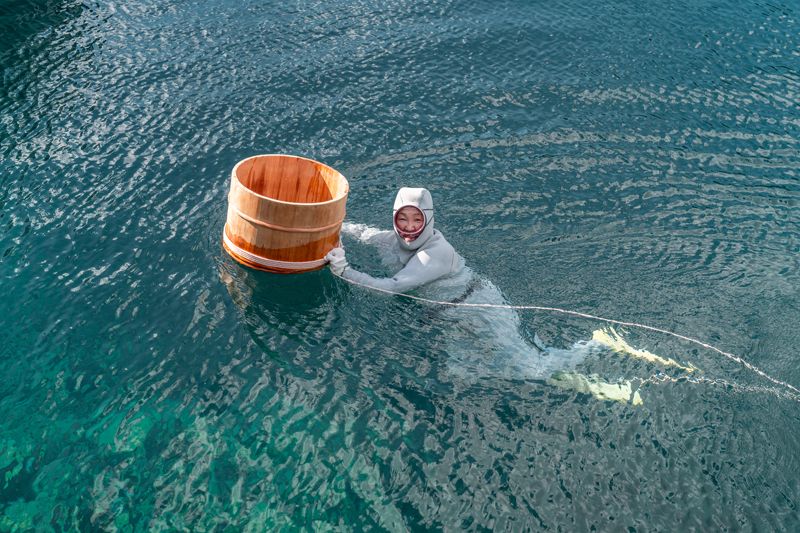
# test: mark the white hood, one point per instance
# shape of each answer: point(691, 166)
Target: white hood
point(422, 200)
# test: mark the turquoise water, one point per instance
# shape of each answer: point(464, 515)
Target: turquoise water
point(625, 159)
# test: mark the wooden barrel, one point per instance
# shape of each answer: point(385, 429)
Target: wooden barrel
point(284, 213)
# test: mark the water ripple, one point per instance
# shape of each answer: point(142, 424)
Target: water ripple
point(637, 163)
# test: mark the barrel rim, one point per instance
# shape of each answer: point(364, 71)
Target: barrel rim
point(331, 201)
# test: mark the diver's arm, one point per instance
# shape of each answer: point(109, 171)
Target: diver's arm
point(421, 269)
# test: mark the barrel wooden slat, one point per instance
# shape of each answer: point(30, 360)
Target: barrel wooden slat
point(277, 168)
point(247, 172)
point(284, 208)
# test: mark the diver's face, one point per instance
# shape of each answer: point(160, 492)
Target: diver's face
point(410, 220)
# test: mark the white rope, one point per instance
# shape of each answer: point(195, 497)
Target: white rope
point(698, 380)
point(729, 355)
point(271, 263)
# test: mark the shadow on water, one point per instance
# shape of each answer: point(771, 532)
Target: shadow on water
point(275, 293)
point(282, 312)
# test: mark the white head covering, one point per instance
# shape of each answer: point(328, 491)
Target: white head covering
point(422, 200)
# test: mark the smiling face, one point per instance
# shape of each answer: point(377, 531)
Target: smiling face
point(409, 222)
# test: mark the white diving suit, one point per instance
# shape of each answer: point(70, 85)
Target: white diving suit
point(427, 258)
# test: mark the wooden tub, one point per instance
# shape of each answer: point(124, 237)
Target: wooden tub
point(284, 213)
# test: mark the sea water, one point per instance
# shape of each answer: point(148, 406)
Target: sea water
point(630, 160)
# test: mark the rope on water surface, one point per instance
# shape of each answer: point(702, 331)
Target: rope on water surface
point(661, 377)
point(729, 355)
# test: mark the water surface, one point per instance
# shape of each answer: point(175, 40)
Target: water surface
point(627, 160)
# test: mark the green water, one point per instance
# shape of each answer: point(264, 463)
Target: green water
point(627, 160)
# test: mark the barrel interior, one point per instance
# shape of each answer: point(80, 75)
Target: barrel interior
point(291, 179)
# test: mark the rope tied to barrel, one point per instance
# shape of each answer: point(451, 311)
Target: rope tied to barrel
point(271, 263)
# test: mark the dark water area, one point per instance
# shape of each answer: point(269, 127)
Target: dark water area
point(628, 160)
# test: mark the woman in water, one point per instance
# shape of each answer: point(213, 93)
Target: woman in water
point(490, 339)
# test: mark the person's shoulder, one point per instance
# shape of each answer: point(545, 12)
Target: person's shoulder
point(438, 242)
point(443, 254)
point(439, 236)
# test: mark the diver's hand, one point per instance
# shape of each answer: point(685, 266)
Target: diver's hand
point(337, 261)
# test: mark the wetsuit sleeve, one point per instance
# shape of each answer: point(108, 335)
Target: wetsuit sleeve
point(421, 269)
